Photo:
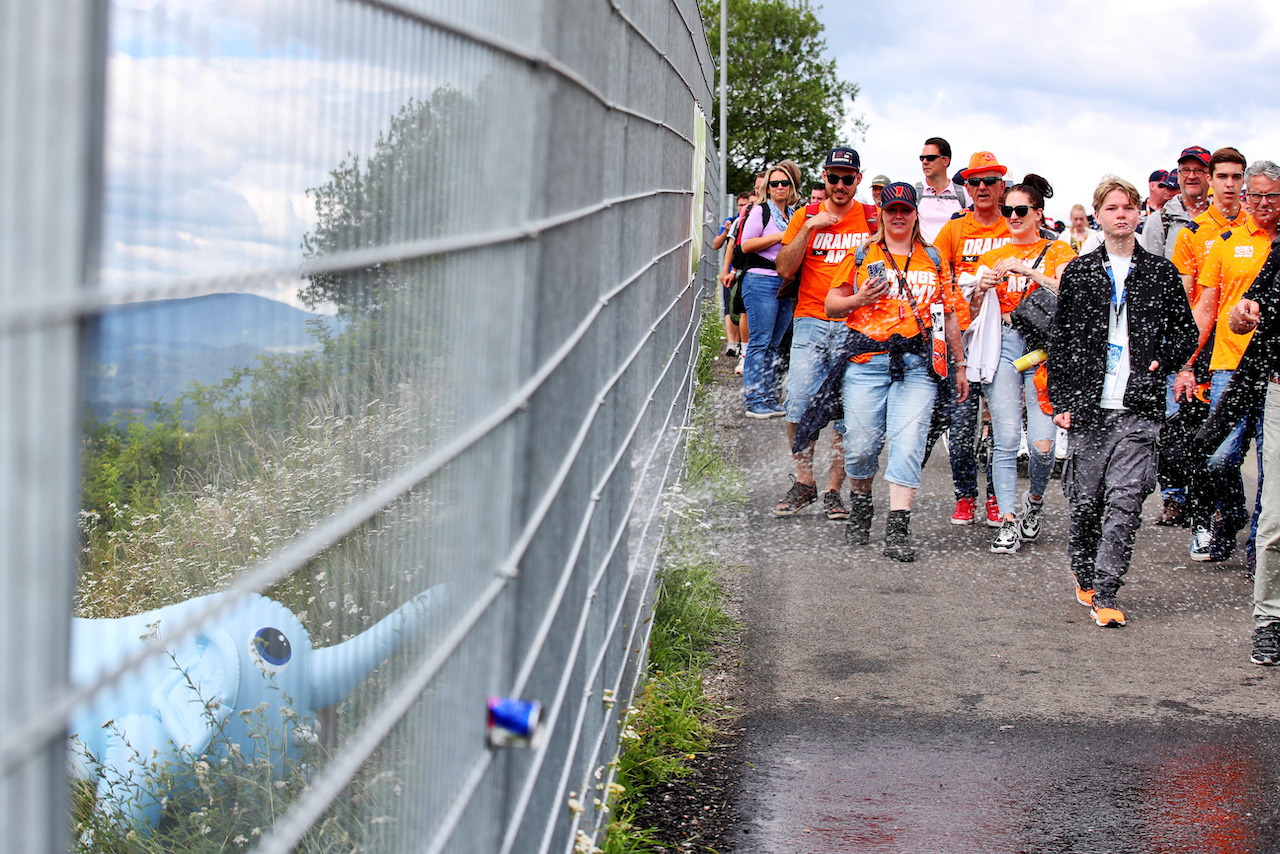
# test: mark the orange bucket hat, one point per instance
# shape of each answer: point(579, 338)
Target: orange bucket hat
point(983, 161)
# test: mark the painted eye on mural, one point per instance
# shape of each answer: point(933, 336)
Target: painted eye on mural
point(272, 646)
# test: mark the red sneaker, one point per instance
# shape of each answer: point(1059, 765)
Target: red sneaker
point(994, 519)
point(964, 511)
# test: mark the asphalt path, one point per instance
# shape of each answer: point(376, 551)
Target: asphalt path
point(966, 701)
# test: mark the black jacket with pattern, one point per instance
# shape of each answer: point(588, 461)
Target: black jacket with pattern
point(1161, 329)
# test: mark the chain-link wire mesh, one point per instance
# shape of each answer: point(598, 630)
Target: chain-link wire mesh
point(385, 344)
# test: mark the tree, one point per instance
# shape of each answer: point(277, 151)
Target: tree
point(784, 98)
point(389, 200)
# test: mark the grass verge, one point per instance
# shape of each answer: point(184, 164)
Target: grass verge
point(673, 720)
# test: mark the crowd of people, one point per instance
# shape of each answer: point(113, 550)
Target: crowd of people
point(1134, 343)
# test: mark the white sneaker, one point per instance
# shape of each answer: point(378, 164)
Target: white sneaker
point(1007, 539)
point(1060, 444)
point(1029, 518)
point(1201, 543)
point(742, 360)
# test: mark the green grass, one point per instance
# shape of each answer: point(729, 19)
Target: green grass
point(673, 720)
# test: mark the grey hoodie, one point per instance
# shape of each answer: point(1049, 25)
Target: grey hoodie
point(1160, 231)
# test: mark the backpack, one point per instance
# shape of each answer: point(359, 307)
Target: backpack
point(790, 288)
point(954, 188)
point(748, 260)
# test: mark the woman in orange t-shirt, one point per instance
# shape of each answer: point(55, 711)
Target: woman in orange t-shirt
point(888, 389)
point(1005, 276)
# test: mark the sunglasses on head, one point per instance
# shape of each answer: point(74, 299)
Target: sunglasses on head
point(779, 183)
point(929, 157)
point(1010, 210)
point(847, 180)
point(990, 181)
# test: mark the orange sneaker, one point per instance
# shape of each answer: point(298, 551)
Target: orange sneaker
point(1106, 617)
point(1084, 597)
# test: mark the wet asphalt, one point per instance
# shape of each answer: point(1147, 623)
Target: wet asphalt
point(966, 702)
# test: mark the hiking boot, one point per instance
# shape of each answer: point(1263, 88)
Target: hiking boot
point(994, 519)
point(1007, 539)
point(1201, 540)
point(834, 507)
point(857, 531)
point(1105, 613)
point(1266, 644)
point(1173, 515)
point(799, 496)
point(1029, 523)
point(963, 514)
point(897, 536)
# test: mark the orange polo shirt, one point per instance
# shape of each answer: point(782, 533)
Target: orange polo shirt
point(1012, 288)
point(1232, 264)
point(963, 241)
point(1194, 242)
point(892, 313)
point(827, 249)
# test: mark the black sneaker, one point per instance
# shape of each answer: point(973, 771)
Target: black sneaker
point(1225, 530)
point(1266, 644)
point(834, 507)
point(897, 536)
point(857, 531)
point(799, 496)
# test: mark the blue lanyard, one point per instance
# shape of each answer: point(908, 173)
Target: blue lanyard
point(1117, 301)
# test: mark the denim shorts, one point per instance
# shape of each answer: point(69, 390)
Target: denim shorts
point(814, 346)
point(877, 410)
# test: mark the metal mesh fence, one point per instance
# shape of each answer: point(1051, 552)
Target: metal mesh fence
point(384, 317)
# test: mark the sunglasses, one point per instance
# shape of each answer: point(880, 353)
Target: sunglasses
point(929, 157)
point(847, 180)
point(990, 181)
point(1020, 210)
point(779, 183)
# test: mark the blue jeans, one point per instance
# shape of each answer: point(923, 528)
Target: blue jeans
point(814, 346)
point(1171, 493)
point(1005, 395)
point(1224, 463)
point(876, 410)
point(768, 319)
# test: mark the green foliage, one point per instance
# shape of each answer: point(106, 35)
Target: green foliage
point(784, 98)
point(381, 203)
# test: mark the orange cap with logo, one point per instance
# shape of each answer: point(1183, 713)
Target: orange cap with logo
point(983, 161)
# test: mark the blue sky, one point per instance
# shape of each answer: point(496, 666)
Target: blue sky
point(1071, 91)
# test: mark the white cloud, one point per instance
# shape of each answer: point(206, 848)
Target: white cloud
point(1070, 91)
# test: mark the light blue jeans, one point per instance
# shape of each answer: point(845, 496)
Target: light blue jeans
point(1225, 462)
point(814, 346)
point(877, 410)
point(1005, 394)
point(768, 319)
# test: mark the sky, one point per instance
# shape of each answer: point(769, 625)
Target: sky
point(1071, 91)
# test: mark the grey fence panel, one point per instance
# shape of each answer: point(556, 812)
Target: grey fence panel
point(389, 296)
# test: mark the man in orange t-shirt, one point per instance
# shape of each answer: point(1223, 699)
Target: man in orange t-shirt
point(813, 246)
point(962, 241)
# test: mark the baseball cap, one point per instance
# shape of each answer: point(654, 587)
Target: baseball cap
point(1171, 180)
point(1159, 176)
point(844, 157)
point(983, 161)
point(898, 193)
point(1198, 152)
point(881, 181)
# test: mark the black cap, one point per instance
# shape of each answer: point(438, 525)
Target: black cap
point(843, 157)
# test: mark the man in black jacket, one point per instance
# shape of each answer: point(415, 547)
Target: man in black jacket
point(1122, 319)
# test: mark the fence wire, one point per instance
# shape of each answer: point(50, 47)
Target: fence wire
point(372, 326)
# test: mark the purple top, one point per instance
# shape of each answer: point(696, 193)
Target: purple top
point(753, 229)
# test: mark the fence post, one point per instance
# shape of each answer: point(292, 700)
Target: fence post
point(50, 111)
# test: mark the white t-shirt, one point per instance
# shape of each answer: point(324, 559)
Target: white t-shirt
point(1117, 379)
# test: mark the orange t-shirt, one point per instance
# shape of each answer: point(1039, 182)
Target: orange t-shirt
point(963, 241)
point(1013, 287)
point(892, 313)
point(827, 248)
point(1232, 264)
point(1194, 242)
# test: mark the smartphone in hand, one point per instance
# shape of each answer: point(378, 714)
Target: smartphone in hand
point(875, 270)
